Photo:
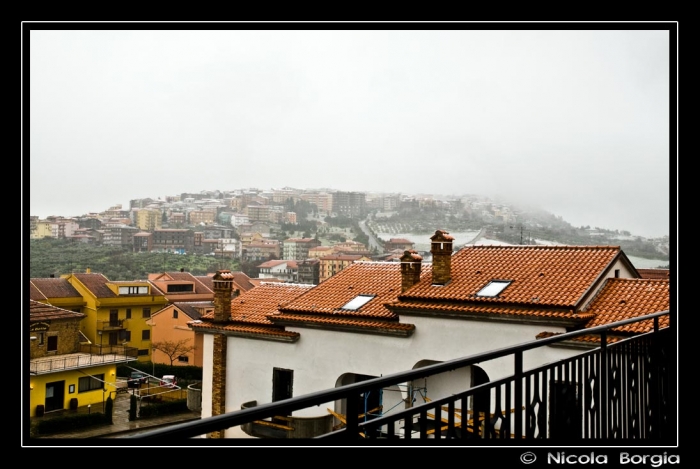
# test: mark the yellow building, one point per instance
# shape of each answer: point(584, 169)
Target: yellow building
point(149, 220)
point(117, 312)
point(65, 370)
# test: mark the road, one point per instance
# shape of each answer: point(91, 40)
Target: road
point(373, 242)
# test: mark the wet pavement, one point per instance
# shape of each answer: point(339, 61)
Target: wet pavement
point(121, 425)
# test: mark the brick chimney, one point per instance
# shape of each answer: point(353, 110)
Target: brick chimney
point(410, 269)
point(223, 285)
point(441, 249)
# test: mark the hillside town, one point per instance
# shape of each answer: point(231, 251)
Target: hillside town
point(324, 273)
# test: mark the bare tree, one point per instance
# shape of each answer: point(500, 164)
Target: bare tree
point(173, 349)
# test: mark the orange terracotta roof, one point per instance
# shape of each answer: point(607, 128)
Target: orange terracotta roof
point(43, 312)
point(52, 288)
point(655, 273)
point(261, 332)
point(256, 304)
point(382, 279)
point(387, 327)
point(626, 298)
point(472, 310)
point(556, 276)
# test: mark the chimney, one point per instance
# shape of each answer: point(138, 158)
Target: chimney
point(441, 249)
point(223, 284)
point(410, 269)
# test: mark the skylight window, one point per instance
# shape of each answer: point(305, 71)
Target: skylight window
point(358, 302)
point(494, 288)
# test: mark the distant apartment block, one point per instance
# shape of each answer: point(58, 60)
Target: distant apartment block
point(308, 271)
point(322, 200)
point(350, 204)
point(149, 219)
point(202, 216)
point(331, 265)
point(298, 248)
point(173, 240)
point(258, 212)
point(118, 235)
point(398, 243)
point(143, 242)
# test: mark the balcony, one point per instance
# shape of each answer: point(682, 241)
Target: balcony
point(620, 391)
point(111, 325)
point(88, 356)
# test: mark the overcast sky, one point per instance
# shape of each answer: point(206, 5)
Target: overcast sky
point(573, 122)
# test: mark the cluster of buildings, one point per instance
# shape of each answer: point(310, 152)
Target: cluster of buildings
point(263, 340)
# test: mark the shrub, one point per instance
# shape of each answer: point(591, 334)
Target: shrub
point(109, 405)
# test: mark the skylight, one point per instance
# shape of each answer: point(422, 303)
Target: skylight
point(494, 288)
point(358, 302)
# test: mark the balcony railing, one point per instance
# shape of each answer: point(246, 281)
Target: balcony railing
point(111, 325)
point(89, 355)
point(621, 390)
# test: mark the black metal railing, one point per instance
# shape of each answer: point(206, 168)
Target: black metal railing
point(89, 355)
point(110, 325)
point(616, 391)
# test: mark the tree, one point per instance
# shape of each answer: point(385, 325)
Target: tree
point(174, 349)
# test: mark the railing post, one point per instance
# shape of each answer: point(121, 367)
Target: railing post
point(603, 384)
point(518, 398)
point(351, 415)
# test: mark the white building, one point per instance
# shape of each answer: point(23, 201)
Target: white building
point(378, 318)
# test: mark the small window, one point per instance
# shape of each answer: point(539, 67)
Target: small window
point(41, 338)
point(494, 288)
point(146, 335)
point(357, 302)
point(183, 359)
point(90, 383)
point(52, 343)
point(617, 273)
point(146, 312)
point(143, 352)
point(127, 335)
point(174, 314)
point(128, 313)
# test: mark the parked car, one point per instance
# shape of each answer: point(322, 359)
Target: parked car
point(169, 381)
point(136, 379)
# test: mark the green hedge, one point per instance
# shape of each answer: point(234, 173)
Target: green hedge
point(163, 408)
point(70, 422)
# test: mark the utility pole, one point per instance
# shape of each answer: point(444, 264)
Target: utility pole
point(521, 234)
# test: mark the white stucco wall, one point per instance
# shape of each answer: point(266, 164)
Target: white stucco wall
point(320, 357)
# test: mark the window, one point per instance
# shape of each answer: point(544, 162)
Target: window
point(133, 290)
point(41, 338)
point(128, 313)
point(146, 335)
point(357, 302)
point(180, 288)
point(617, 273)
point(143, 352)
point(174, 314)
point(90, 383)
point(52, 343)
point(494, 288)
point(146, 312)
point(183, 359)
point(282, 381)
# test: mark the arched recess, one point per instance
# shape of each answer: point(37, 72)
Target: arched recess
point(446, 384)
point(372, 404)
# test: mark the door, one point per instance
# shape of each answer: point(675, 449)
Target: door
point(282, 384)
point(55, 393)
